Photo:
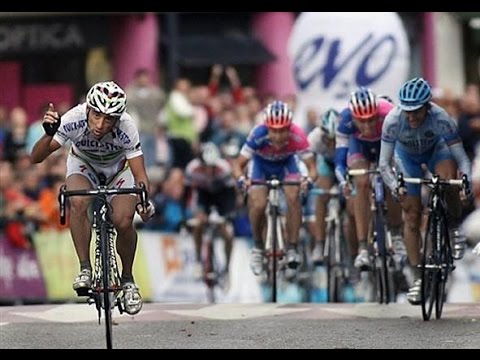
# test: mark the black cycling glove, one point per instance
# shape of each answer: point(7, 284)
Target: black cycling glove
point(51, 129)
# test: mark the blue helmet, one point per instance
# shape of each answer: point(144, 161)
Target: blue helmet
point(414, 94)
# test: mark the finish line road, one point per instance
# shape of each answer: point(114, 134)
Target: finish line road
point(266, 326)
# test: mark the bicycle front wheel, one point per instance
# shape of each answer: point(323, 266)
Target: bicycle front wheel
point(445, 263)
point(106, 293)
point(429, 268)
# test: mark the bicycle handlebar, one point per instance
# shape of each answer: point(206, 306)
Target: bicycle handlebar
point(358, 172)
point(275, 183)
point(101, 190)
point(433, 181)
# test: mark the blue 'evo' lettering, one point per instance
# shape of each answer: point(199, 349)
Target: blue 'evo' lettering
point(332, 66)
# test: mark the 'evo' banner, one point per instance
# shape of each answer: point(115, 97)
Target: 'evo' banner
point(332, 53)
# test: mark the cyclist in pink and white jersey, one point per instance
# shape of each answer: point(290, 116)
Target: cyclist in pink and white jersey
point(273, 147)
point(358, 141)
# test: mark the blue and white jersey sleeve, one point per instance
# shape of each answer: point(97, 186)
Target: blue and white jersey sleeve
point(256, 137)
point(345, 129)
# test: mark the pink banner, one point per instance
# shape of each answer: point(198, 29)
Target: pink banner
point(20, 276)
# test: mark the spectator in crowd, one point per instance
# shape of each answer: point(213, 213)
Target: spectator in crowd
point(3, 129)
point(16, 137)
point(469, 120)
point(145, 101)
point(169, 201)
point(178, 113)
point(470, 226)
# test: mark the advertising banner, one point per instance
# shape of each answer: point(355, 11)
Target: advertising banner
point(335, 52)
point(20, 275)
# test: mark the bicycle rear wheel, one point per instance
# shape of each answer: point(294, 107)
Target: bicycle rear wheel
point(209, 273)
point(429, 268)
point(106, 293)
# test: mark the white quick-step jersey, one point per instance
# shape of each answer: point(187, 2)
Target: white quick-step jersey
point(123, 142)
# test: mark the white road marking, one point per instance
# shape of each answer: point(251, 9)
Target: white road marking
point(69, 313)
point(238, 311)
point(374, 310)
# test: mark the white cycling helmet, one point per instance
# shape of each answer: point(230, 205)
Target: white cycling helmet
point(107, 98)
point(210, 154)
point(328, 123)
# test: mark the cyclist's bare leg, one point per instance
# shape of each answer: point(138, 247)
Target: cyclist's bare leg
point(412, 212)
point(197, 233)
point(361, 202)
point(122, 218)
point(294, 213)
point(80, 228)
point(350, 228)
point(227, 235)
point(447, 169)
point(257, 203)
point(323, 182)
point(394, 214)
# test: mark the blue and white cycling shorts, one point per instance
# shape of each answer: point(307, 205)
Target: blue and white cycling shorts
point(261, 169)
point(362, 150)
point(411, 164)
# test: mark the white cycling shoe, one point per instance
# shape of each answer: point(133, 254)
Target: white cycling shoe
point(132, 301)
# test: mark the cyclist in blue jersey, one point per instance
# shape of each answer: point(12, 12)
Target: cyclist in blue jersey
point(358, 147)
point(418, 132)
point(272, 147)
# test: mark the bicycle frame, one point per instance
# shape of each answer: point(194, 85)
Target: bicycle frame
point(437, 259)
point(380, 239)
point(274, 242)
point(211, 267)
point(335, 249)
point(106, 277)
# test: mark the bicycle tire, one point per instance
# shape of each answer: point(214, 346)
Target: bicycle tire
point(107, 306)
point(445, 261)
point(383, 296)
point(428, 268)
point(274, 257)
point(330, 262)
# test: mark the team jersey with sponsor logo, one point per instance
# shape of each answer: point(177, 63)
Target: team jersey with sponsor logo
point(347, 126)
point(197, 175)
point(437, 125)
point(318, 145)
point(123, 142)
point(258, 143)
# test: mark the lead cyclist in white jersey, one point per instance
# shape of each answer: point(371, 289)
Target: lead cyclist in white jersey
point(105, 142)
